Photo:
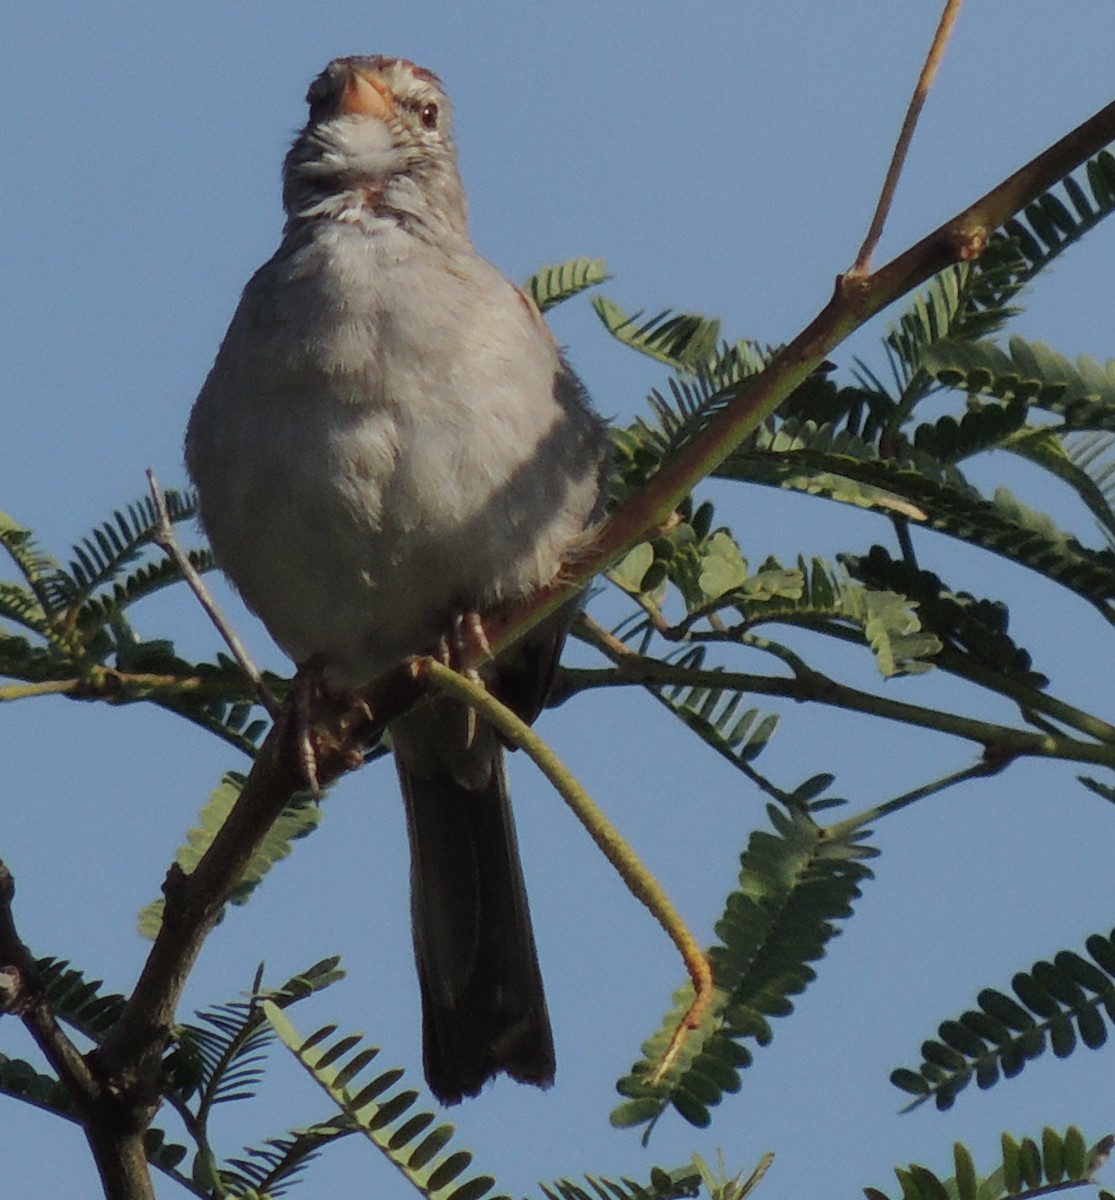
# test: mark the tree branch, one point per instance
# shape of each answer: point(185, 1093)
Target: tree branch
point(132, 1052)
point(114, 1130)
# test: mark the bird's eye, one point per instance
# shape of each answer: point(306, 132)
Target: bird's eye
point(429, 115)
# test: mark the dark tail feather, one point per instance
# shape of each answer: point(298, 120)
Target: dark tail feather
point(483, 1008)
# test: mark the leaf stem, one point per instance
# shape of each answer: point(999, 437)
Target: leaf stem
point(1028, 699)
point(998, 741)
point(639, 880)
point(977, 770)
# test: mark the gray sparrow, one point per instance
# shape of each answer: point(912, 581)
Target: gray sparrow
point(390, 436)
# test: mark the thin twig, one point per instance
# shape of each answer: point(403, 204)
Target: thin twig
point(936, 53)
point(48, 687)
point(653, 613)
point(596, 635)
point(106, 683)
point(979, 770)
point(165, 537)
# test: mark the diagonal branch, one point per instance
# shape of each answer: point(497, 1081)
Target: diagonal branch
point(130, 1056)
point(854, 301)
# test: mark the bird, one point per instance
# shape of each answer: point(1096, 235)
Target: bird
point(390, 437)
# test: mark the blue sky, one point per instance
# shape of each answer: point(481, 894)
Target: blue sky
point(723, 158)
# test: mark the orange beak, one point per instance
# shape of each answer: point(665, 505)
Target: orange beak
point(367, 95)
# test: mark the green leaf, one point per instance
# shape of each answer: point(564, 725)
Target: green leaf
point(1029, 1160)
point(714, 715)
point(1024, 1169)
point(119, 594)
point(1080, 460)
point(21, 1081)
point(1076, 1156)
point(22, 607)
point(722, 566)
point(1053, 1155)
point(550, 286)
point(684, 1181)
point(631, 570)
point(977, 628)
point(685, 341)
point(100, 555)
point(932, 496)
point(1068, 999)
point(221, 1050)
point(271, 1168)
point(963, 302)
point(1049, 225)
point(967, 1182)
point(795, 883)
point(76, 1000)
point(33, 564)
point(1082, 394)
point(984, 426)
point(437, 1177)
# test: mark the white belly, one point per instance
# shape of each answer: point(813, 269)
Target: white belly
point(368, 469)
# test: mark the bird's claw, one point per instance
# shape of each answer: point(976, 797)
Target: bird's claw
point(465, 644)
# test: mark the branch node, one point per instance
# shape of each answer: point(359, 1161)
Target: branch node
point(14, 997)
point(971, 243)
point(175, 881)
point(852, 284)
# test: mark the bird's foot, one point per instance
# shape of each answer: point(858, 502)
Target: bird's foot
point(461, 648)
point(310, 689)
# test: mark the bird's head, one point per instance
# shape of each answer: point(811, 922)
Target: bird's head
point(378, 137)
